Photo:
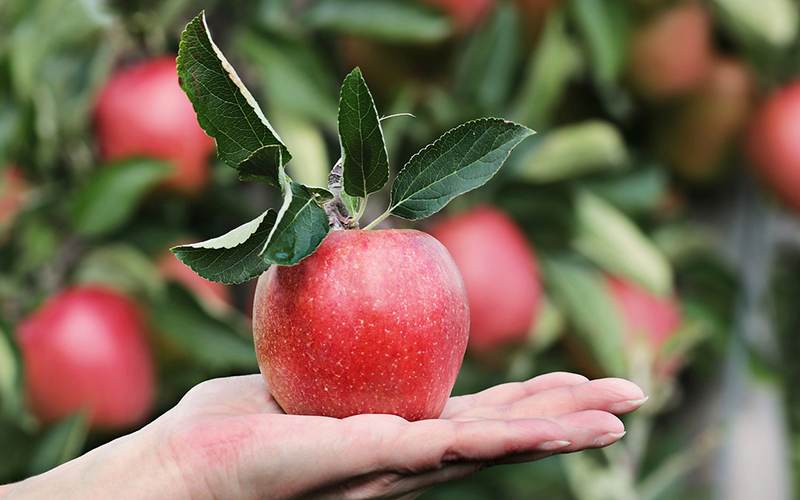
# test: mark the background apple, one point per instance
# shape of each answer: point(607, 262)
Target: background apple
point(500, 274)
point(13, 190)
point(703, 129)
point(372, 322)
point(142, 111)
point(672, 53)
point(773, 143)
point(216, 296)
point(87, 347)
point(466, 14)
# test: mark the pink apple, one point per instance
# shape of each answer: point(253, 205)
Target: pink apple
point(142, 111)
point(671, 54)
point(465, 14)
point(500, 273)
point(773, 143)
point(13, 191)
point(372, 322)
point(87, 348)
point(215, 296)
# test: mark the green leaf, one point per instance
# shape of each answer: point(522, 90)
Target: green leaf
point(771, 22)
point(234, 257)
point(614, 242)
point(583, 295)
point(300, 227)
point(605, 26)
point(121, 266)
point(575, 150)
point(226, 110)
point(388, 20)
point(366, 163)
point(461, 160)
point(637, 192)
point(113, 193)
point(61, 443)
point(189, 329)
point(488, 68)
point(552, 66)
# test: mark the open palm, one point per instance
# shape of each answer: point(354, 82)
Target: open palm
point(232, 440)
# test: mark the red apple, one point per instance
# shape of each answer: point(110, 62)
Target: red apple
point(773, 143)
point(87, 348)
point(705, 127)
point(672, 53)
point(13, 191)
point(142, 111)
point(372, 322)
point(216, 296)
point(500, 273)
point(648, 316)
point(465, 14)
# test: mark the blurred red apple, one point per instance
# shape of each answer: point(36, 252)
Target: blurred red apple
point(649, 317)
point(500, 273)
point(87, 348)
point(372, 322)
point(672, 53)
point(705, 127)
point(216, 296)
point(13, 191)
point(142, 111)
point(773, 143)
point(465, 14)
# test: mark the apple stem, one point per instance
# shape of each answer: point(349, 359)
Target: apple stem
point(338, 215)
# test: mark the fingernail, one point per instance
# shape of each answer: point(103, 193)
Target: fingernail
point(626, 406)
point(607, 439)
point(554, 445)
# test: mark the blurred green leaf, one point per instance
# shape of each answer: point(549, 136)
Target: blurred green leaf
point(364, 156)
point(292, 75)
point(180, 321)
point(310, 163)
point(545, 212)
point(584, 297)
point(605, 26)
point(300, 227)
point(488, 67)
point(59, 444)
point(18, 445)
point(12, 396)
point(113, 193)
point(574, 150)
point(554, 63)
point(233, 257)
point(635, 192)
point(773, 22)
point(389, 20)
point(614, 242)
point(120, 266)
point(226, 110)
point(461, 160)
point(38, 242)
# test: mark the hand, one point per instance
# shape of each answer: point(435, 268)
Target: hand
point(228, 438)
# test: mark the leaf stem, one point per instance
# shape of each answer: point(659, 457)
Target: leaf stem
point(377, 221)
point(361, 208)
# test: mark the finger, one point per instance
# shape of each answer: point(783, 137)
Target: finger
point(611, 394)
point(244, 394)
point(508, 393)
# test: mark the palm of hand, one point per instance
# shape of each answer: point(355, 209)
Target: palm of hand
point(232, 440)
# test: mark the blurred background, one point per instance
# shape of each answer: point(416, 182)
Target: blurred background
point(648, 231)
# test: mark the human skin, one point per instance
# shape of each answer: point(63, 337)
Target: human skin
point(228, 438)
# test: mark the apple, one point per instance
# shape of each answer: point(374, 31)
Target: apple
point(772, 143)
point(13, 191)
point(500, 273)
point(87, 348)
point(142, 111)
point(649, 317)
point(372, 322)
point(215, 296)
point(465, 14)
point(672, 53)
point(704, 129)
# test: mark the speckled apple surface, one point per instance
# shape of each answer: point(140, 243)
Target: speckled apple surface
point(372, 322)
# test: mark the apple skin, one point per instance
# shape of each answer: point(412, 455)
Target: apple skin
point(772, 143)
point(704, 128)
point(142, 111)
point(13, 191)
point(671, 54)
point(643, 313)
point(465, 14)
point(87, 347)
point(500, 272)
point(372, 322)
point(215, 296)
